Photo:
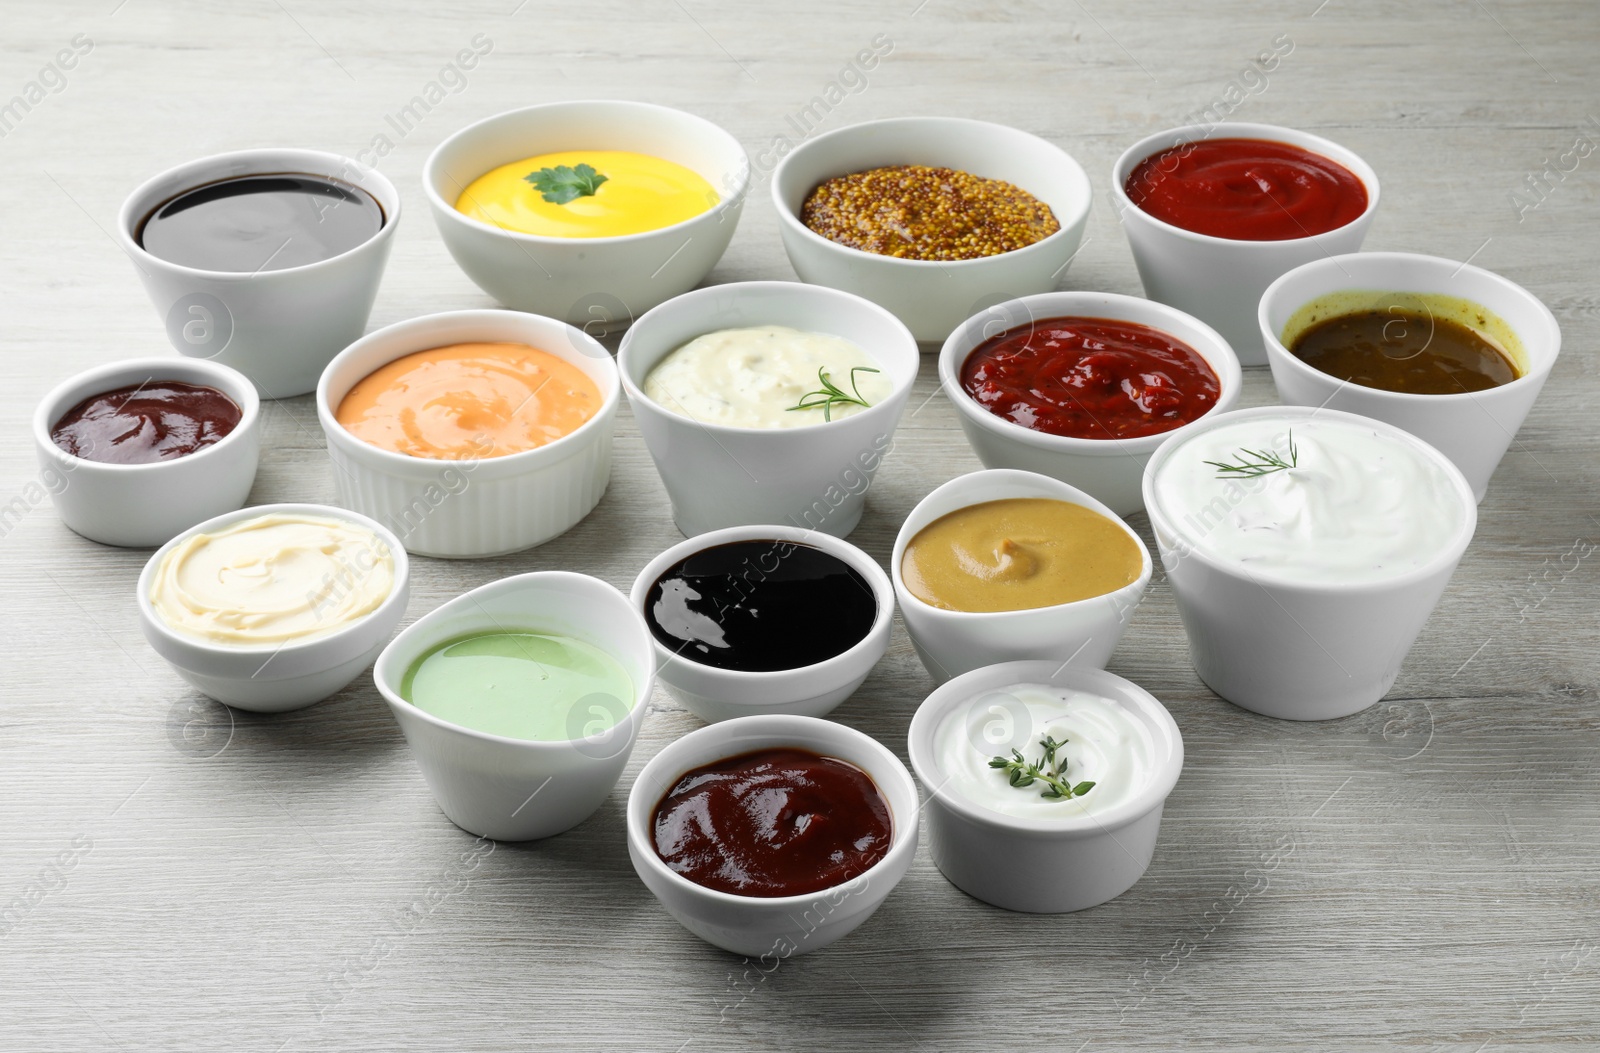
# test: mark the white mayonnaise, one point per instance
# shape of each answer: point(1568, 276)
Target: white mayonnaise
point(1359, 505)
point(1105, 744)
point(748, 378)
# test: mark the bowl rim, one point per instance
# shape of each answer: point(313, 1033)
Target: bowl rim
point(398, 591)
point(126, 221)
point(1069, 164)
point(1450, 553)
point(925, 723)
point(1058, 490)
point(904, 829)
point(1341, 155)
point(558, 449)
point(1220, 356)
point(527, 580)
point(882, 590)
point(727, 202)
point(1278, 354)
point(800, 290)
point(232, 383)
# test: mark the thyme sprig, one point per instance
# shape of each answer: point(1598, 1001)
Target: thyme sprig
point(830, 394)
point(1049, 770)
point(1266, 462)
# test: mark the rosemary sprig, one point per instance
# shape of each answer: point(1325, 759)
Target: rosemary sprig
point(1049, 770)
point(831, 395)
point(1266, 462)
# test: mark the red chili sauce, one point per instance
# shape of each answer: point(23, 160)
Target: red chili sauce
point(158, 420)
point(776, 822)
point(1246, 190)
point(1090, 378)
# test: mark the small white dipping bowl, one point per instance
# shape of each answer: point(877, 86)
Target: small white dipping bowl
point(596, 283)
point(474, 507)
point(1082, 633)
point(277, 677)
point(779, 927)
point(279, 328)
point(932, 297)
point(519, 789)
point(1045, 866)
point(1472, 428)
point(1220, 280)
point(136, 505)
point(815, 476)
point(1109, 470)
point(816, 690)
point(1293, 649)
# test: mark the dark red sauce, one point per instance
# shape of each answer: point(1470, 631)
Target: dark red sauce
point(1246, 190)
point(1090, 378)
point(776, 822)
point(142, 423)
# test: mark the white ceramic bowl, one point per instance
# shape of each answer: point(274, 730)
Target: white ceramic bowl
point(596, 283)
point(815, 476)
point(474, 507)
point(1109, 470)
point(772, 929)
point(1220, 280)
point(1292, 649)
point(136, 505)
point(1045, 866)
point(278, 677)
point(279, 328)
point(815, 690)
point(931, 297)
point(1082, 634)
point(518, 789)
point(1473, 428)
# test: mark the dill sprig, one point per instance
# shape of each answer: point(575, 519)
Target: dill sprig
point(1265, 463)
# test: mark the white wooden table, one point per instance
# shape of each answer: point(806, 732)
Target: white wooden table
point(1420, 876)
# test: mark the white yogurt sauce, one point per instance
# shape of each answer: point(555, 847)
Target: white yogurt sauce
point(748, 378)
point(1105, 744)
point(1359, 506)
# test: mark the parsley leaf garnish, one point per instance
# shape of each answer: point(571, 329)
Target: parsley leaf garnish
point(565, 183)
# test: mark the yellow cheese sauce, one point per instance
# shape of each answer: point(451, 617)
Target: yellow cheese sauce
point(640, 193)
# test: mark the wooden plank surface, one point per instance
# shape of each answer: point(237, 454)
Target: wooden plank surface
point(1420, 876)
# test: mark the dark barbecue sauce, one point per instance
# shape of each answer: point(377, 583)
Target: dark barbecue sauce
point(154, 421)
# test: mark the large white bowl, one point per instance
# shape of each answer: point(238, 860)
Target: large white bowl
point(932, 297)
point(274, 678)
point(596, 283)
point(1047, 866)
point(135, 505)
point(1220, 280)
point(1109, 470)
point(479, 507)
point(517, 789)
point(815, 690)
point(779, 927)
point(1082, 634)
point(815, 476)
point(1472, 428)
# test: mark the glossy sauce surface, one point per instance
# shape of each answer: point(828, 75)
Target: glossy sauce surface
point(1090, 378)
point(640, 193)
point(142, 423)
point(775, 822)
point(1407, 351)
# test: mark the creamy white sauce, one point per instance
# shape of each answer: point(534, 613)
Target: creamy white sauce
point(1105, 744)
point(1360, 505)
point(748, 378)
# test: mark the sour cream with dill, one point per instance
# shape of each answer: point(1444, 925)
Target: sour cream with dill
point(1103, 743)
point(1312, 500)
point(751, 378)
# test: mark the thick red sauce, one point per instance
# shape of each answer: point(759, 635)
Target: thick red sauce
point(1090, 378)
point(1246, 190)
point(142, 423)
point(776, 822)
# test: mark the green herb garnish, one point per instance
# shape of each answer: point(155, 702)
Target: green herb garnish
point(1050, 771)
point(830, 394)
point(1266, 462)
point(565, 183)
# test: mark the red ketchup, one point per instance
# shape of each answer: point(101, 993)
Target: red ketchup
point(776, 822)
point(1090, 378)
point(1246, 190)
